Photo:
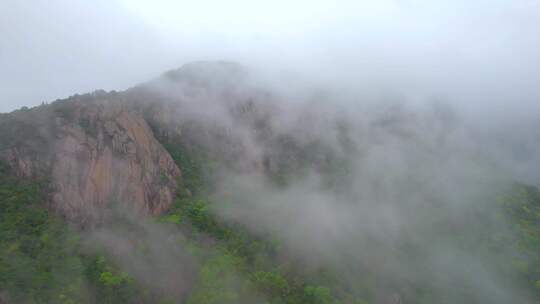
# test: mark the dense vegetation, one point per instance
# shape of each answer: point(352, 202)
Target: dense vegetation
point(242, 268)
point(505, 239)
point(522, 211)
point(43, 260)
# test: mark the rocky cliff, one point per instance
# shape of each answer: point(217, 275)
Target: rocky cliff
point(95, 152)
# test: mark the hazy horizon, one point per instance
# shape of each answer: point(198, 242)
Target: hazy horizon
point(483, 57)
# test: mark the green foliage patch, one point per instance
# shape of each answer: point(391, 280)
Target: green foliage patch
point(41, 259)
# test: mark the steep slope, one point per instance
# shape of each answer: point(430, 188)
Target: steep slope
point(100, 148)
point(95, 153)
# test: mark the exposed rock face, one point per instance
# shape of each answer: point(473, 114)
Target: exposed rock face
point(98, 149)
point(102, 153)
point(116, 159)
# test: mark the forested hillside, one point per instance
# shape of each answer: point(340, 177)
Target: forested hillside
point(204, 186)
point(44, 261)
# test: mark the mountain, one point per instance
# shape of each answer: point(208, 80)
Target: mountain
point(209, 185)
point(100, 148)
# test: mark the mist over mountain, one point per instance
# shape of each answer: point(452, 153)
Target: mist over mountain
point(278, 152)
point(212, 184)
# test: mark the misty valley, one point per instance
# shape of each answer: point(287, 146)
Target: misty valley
point(211, 185)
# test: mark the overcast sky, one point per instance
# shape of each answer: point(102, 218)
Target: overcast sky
point(470, 52)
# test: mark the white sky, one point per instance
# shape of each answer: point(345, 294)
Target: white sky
point(471, 52)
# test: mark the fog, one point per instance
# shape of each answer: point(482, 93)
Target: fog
point(402, 208)
point(431, 106)
point(482, 55)
point(149, 252)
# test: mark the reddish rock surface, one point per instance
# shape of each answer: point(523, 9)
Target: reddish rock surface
point(101, 154)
